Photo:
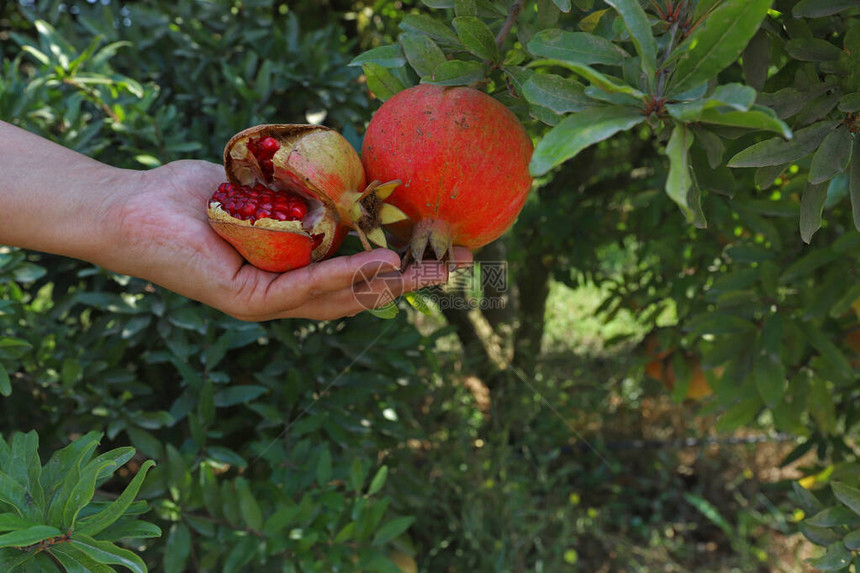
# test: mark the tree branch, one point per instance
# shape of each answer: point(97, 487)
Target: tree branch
point(516, 8)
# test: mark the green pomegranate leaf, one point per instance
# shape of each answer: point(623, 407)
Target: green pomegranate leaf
point(424, 24)
point(849, 103)
point(465, 8)
point(392, 529)
point(738, 97)
point(604, 82)
point(387, 311)
point(778, 151)
point(56, 470)
point(82, 492)
point(108, 553)
point(457, 73)
point(381, 81)
point(818, 535)
point(178, 549)
point(615, 98)
point(378, 481)
point(561, 95)
point(752, 119)
point(252, 515)
point(832, 156)
point(637, 24)
point(76, 561)
point(852, 540)
point(419, 302)
point(854, 184)
point(5, 383)
point(756, 60)
point(821, 8)
point(812, 50)
point(716, 43)
point(576, 48)
point(835, 558)
point(769, 377)
point(13, 521)
point(12, 558)
point(29, 536)
point(422, 53)
point(438, 4)
point(833, 354)
point(13, 494)
point(811, 208)
point(848, 495)
point(576, 132)
point(739, 415)
point(385, 56)
point(238, 395)
point(476, 37)
point(129, 528)
point(679, 183)
point(807, 500)
point(240, 555)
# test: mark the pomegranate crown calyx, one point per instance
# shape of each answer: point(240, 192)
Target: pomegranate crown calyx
point(369, 211)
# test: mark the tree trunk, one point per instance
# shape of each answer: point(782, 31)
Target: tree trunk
point(501, 312)
point(533, 289)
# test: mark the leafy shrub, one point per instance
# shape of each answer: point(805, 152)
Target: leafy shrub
point(292, 446)
point(265, 435)
point(50, 513)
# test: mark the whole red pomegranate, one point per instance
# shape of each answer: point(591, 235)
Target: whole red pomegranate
point(463, 160)
point(293, 192)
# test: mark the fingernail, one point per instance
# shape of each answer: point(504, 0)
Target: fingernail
point(385, 267)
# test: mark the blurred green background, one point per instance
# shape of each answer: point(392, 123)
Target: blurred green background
point(524, 439)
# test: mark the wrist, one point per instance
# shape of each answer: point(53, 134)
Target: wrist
point(103, 217)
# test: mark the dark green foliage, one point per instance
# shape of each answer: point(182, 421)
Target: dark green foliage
point(265, 435)
point(607, 92)
point(50, 510)
point(706, 170)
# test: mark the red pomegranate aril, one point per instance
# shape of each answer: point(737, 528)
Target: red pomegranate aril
point(264, 150)
point(269, 145)
point(252, 203)
point(298, 211)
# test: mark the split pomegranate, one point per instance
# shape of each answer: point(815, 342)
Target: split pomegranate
point(463, 159)
point(293, 192)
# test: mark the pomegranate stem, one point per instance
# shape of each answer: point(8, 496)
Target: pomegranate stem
point(363, 238)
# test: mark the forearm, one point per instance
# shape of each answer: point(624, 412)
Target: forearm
point(152, 224)
point(53, 199)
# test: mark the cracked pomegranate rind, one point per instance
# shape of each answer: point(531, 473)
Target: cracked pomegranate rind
point(462, 157)
point(270, 249)
point(296, 182)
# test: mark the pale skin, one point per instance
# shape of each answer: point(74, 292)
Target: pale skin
point(153, 225)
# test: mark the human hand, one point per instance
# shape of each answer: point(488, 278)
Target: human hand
point(162, 234)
